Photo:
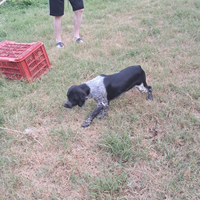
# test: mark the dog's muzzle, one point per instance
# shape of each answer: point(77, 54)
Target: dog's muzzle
point(68, 104)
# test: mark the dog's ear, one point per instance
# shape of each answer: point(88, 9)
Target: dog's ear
point(80, 99)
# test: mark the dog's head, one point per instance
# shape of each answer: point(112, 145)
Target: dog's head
point(76, 96)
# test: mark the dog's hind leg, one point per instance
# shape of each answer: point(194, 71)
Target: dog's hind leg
point(150, 95)
point(147, 89)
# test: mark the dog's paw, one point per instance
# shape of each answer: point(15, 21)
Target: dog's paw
point(85, 124)
point(150, 98)
point(101, 116)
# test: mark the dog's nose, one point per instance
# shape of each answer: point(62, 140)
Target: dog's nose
point(66, 106)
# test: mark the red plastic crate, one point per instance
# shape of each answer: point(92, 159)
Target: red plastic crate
point(27, 61)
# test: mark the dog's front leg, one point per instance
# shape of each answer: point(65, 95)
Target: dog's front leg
point(93, 115)
point(105, 110)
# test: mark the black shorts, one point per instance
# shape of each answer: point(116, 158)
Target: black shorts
point(56, 7)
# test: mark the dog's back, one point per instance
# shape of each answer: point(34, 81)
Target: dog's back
point(120, 82)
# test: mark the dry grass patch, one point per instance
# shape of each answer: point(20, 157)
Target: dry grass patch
point(48, 167)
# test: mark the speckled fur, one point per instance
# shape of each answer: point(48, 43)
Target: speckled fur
point(98, 92)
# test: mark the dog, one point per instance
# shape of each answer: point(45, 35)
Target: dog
point(105, 88)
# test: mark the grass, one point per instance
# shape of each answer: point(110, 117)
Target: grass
point(140, 150)
point(118, 144)
point(106, 187)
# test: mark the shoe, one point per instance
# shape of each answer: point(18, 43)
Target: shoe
point(80, 40)
point(60, 45)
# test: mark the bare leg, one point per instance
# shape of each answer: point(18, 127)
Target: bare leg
point(57, 28)
point(77, 19)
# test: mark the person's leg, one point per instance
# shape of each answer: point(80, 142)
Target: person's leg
point(77, 19)
point(56, 9)
point(78, 8)
point(57, 28)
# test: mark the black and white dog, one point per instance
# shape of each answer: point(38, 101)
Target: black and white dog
point(105, 88)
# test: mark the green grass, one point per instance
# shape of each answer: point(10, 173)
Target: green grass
point(118, 144)
point(106, 187)
point(140, 150)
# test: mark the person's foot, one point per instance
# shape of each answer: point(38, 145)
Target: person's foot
point(79, 40)
point(60, 45)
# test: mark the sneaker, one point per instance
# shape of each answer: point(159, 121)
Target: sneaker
point(60, 45)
